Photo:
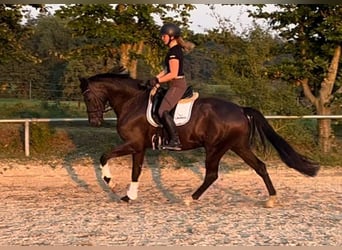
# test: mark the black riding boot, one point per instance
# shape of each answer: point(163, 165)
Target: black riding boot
point(174, 143)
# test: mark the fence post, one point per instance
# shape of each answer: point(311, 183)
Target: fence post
point(27, 138)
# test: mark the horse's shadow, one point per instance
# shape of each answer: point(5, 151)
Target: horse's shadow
point(80, 140)
point(155, 168)
point(186, 160)
point(111, 195)
point(192, 161)
point(67, 164)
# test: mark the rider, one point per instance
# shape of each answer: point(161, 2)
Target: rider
point(174, 75)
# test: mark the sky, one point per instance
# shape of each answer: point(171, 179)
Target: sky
point(202, 19)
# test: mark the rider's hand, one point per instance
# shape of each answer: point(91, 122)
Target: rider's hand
point(154, 82)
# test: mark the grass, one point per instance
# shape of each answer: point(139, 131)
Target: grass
point(11, 109)
point(70, 140)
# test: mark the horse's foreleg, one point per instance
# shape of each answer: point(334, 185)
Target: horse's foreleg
point(121, 150)
point(137, 161)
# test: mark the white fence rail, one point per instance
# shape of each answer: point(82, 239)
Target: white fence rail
point(27, 122)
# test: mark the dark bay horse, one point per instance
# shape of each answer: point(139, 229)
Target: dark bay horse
point(216, 125)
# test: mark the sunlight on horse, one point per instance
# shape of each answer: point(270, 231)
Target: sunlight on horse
point(215, 124)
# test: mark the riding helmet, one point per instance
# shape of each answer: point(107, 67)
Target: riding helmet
point(171, 30)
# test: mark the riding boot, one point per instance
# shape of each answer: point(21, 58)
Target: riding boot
point(174, 143)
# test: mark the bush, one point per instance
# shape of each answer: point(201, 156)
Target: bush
point(11, 143)
point(41, 135)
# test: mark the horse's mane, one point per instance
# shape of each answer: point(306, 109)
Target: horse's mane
point(109, 75)
point(124, 79)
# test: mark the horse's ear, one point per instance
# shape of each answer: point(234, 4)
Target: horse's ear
point(84, 83)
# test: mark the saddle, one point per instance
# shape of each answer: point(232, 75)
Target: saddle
point(157, 98)
point(181, 113)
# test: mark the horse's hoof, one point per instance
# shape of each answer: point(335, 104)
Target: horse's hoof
point(271, 202)
point(125, 199)
point(112, 185)
point(188, 201)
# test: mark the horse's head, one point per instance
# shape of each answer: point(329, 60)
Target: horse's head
point(94, 101)
point(101, 89)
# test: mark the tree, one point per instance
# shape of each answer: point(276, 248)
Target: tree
point(13, 33)
point(240, 65)
point(125, 32)
point(49, 42)
point(19, 64)
point(313, 35)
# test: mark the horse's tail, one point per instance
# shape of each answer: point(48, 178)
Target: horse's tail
point(286, 152)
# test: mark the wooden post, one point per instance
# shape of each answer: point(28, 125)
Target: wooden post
point(27, 138)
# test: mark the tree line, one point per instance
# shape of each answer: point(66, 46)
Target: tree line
point(294, 72)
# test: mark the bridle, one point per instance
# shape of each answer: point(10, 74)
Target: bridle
point(98, 110)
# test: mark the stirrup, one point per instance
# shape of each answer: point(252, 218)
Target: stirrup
point(173, 146)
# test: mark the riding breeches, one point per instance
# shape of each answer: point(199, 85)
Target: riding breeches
point(177, 88)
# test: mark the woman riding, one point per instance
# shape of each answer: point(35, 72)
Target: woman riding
point(174, 75)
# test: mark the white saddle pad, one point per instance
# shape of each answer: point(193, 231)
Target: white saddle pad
point(182, 112)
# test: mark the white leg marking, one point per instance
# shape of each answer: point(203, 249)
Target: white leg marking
point(132, 192)
point(106, 171)
point(107, 176)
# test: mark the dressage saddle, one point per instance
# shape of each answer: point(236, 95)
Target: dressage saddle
point(157, 99)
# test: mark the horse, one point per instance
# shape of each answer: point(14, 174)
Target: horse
point(216, 124)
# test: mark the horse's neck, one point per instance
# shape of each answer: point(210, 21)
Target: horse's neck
point(127, 101)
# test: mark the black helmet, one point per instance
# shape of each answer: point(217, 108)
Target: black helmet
point(171, 30)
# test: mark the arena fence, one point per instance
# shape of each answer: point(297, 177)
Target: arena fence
point(27, 122)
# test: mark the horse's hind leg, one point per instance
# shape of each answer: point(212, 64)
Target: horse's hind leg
point(260, 168)
point(212, 161)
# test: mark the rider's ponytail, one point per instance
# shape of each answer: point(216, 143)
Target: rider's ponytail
point(186, 45)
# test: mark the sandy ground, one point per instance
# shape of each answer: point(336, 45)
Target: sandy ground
point(69, 205)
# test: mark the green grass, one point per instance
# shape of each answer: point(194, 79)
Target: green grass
point(74, 139)
point(15, 109)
